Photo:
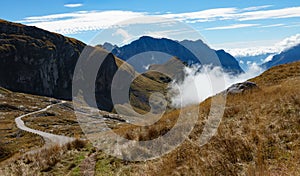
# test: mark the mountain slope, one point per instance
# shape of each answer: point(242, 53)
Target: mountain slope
point(288, 56)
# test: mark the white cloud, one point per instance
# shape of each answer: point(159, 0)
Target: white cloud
point(275, 49)
point(73, 5)
point(201, 83)
point(269, 58)
point(76, 22)
point(234, 26)
point(272, 25)
point(126, 36)
point(288, 42)
point(72, 23)
point(204, 16)
point(270, 14)
point(252, 51)
point(256, 8)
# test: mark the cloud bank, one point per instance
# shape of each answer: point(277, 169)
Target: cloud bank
point(197, 85)
point(275, 49)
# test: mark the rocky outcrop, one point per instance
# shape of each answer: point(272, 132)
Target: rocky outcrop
point(241, 87)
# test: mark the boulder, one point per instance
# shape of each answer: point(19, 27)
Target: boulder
point(241, 87)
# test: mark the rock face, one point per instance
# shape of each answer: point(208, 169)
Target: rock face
point(36, 61)
point(288, 56)
point(241, 87)
point(187, 51)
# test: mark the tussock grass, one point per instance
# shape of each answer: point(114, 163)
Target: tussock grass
point(45, 160)
point(259, 133)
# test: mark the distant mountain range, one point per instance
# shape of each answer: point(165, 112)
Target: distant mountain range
point(287, 56)
point(161, 50)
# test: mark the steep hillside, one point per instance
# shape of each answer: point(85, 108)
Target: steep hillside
point(36, 61)
point(288, 56)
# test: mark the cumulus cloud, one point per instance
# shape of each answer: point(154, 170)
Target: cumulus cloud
point(288, 42)
point(199, 85)
point(73, 5)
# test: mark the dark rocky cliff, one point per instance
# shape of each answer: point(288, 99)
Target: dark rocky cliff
point(36, 61)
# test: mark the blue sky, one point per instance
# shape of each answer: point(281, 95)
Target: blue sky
point(229, 24)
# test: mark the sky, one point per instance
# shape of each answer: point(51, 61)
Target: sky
point(238, 26)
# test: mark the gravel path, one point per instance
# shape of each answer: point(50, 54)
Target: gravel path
point(49, 138)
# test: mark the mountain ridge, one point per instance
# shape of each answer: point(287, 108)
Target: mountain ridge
point(190, 52)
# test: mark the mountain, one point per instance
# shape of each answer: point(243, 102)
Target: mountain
point(215, 57)
point(161, 50)
point(39, 62)
point(288, 56)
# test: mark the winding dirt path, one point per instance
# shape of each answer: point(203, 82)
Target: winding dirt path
point(49, 138)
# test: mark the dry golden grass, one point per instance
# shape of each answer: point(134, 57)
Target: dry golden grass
point(47, 161)
point(259, 133)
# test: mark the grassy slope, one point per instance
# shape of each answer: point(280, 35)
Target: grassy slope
point(259, 135)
